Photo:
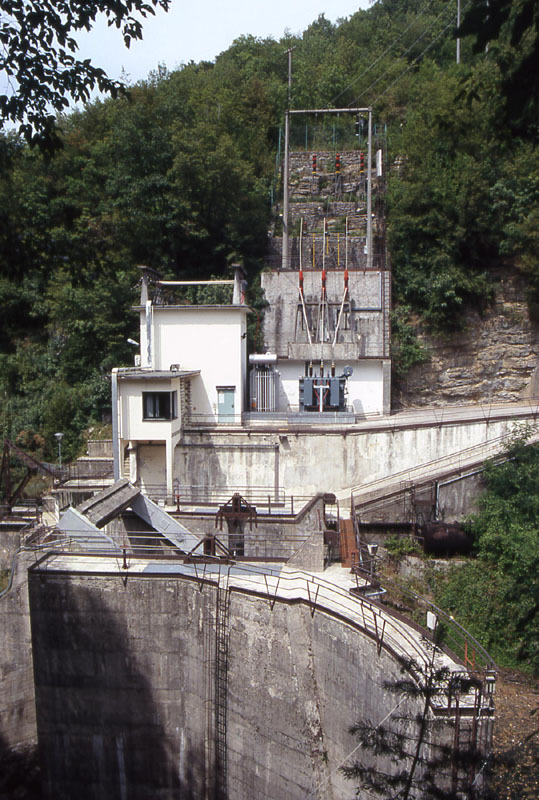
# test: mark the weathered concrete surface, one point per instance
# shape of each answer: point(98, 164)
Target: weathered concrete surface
point(10, 540)
point(125, 689)
point(329, 459)
point(362, 331)
point(17, 708)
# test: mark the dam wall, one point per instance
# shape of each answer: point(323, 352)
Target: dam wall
point(151, 684)
point(17, 709)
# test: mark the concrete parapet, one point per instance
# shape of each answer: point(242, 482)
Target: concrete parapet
point(126, 687)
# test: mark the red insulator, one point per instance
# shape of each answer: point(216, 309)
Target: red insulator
point(314, 163)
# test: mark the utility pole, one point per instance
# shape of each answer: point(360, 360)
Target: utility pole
point(369, 194)
point(284, 259)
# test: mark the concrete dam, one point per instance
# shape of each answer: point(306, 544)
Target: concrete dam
point(160, 678)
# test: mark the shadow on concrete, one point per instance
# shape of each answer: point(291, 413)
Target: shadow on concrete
point(105, 732)
point(19, 772)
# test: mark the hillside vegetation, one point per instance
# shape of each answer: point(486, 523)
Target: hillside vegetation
point(180, 177)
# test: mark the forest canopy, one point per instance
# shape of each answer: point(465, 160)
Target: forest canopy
point(182, 175)
point(38, 57)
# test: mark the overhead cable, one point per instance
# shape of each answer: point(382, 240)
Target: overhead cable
point(374, 63)
point(410, 48)
point(412, 64)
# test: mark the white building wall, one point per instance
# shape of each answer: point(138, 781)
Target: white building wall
point(152, 466)
point(205, 339)
point(131, 424)
point(365, 386)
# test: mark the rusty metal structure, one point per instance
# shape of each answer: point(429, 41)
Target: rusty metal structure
point(11, 488)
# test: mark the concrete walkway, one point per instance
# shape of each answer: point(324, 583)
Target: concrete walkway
point(327, 592)
point(436, 469)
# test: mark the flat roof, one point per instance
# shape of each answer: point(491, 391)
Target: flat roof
point(145, 373)
point(224, 307)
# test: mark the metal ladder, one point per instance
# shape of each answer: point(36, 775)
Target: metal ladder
point(222, 634)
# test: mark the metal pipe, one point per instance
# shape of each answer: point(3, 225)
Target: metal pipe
point(194, 283)
point(115, 431)
point(301, 244)
point(369, 194)
point(458, 26)
point(329, 110)
point(149, 334)
point(284, 259)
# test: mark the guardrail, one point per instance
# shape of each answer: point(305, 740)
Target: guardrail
point(366, 566)
point(407, 642)
point(448, 631)
point(266, 500)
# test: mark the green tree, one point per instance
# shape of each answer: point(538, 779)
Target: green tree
point(496, 594)
point(37, 53)
point(403, 757)
point(508, 32)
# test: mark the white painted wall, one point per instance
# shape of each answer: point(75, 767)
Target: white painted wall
point(203, 338)
point(365, 386)
point(151, 466)
point(288, 384)
point(131, 424)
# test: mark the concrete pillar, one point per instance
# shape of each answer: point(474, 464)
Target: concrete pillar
point(386, 387)
point(170, 446)
point(133, 462)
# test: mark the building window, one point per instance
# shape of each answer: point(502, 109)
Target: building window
point(159, 405)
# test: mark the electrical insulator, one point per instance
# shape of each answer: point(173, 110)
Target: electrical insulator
point(338, 163)
point(314, 163)
point(358, 127)
point(362, 162)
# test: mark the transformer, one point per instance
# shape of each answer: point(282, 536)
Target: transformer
point(322, 393)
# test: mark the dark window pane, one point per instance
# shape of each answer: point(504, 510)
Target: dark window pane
point(159, 405)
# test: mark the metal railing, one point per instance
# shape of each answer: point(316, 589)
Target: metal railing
point(449, 632)
point(405, 640)
point(267, 500)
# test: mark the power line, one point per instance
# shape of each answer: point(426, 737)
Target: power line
point(409, 67)
point(411, 47)
point(374, 63)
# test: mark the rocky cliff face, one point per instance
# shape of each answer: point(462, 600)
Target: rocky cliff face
point(493, 359)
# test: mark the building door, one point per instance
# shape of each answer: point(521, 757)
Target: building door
point(225, 403)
